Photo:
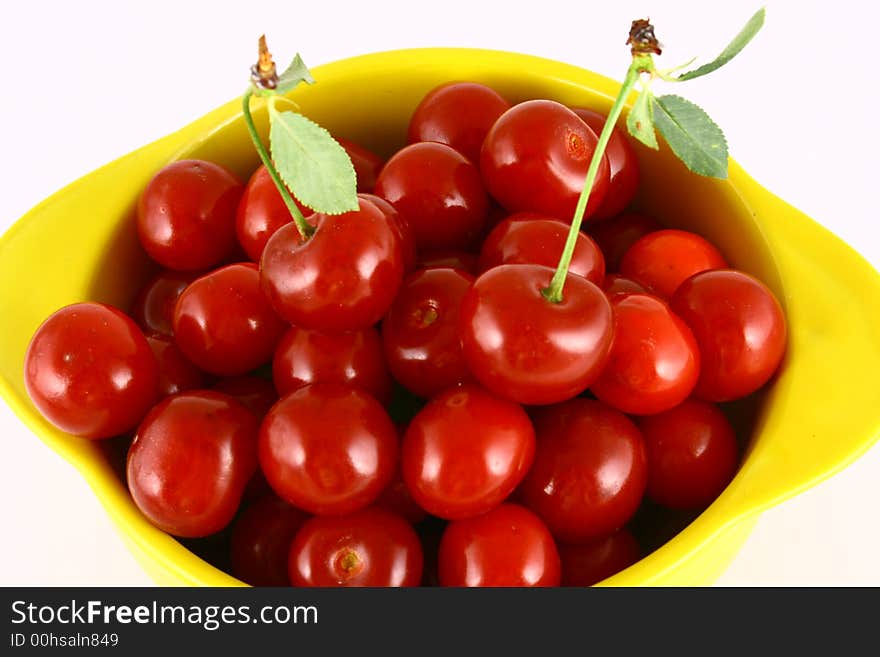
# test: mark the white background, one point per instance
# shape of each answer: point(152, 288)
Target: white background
point(86, 82)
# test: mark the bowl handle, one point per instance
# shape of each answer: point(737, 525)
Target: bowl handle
point(823, 411)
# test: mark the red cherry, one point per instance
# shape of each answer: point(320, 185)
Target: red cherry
point(186, 215)
point(328, 448)
point(590, 563)
point(176, 373)
point(354, 357)
point(445, 209)
point(508, 546)
point(530, 238)
point(615, 235)
point(90, 372)
point(740, 329)
point(256, 393)
point(420, 333)
point(190, 461)
point(399, 227)
point(462, 260)
point(224, 324)
point(153, 310)
point(623, 176)
point(260, 542)
point(662, 260)
point(342, 279)
point(459, 114)
point(535, 158)
point(654, 362)
point(692, 455)
point(523, 347)
point(616, 284)
point(369, 548)
point(589, 473)
point(367, 164)
point(261, 212)
point(465, 452)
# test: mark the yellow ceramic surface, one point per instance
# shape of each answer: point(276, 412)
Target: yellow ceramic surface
point(821, 413)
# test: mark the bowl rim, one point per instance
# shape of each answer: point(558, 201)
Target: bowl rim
point(820, 268)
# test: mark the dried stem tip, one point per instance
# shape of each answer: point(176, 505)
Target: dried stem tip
point(263, 73)
point(642, 39)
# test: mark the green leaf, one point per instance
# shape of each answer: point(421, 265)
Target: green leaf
point(294, 74)
point(732, 50)
point(692, 135)
point(640, 121)
point(313, 165)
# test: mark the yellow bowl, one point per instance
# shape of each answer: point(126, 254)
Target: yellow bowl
point(820, 414)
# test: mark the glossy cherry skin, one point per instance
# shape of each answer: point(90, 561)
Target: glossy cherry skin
point(452, 258)
point(530, 238)
point(590, 470)
point(186, 215)
point(615, 284)
point(535, 158)
point(256, 393)
point(615, 235)
point(420, 332)
point(523, 347)
point(465, 452)
point(261, 211)
point(328, 448)
point(439, 194)
point(176, 372)
point(190, 461)
point(260, 541)
point(343, 278)
point(590, 563)
point(508, 546)
point(399, 227)
point(692, 455)
point(740, 329)
point(353, 357)
point(153, 310)
point(623, 165)
point(654, 362)
point(90, 371)
point(458, 114)
point(224, 324)
point(372, 547)
point(367, 164)
point(662, 260)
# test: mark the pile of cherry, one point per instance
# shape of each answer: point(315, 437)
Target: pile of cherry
point(429, 415)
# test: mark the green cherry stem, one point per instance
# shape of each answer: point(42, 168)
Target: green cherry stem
point(304, 228)
point(640, 63)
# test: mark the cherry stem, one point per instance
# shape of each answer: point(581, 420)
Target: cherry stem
point(304, 228)
point(640, 63)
